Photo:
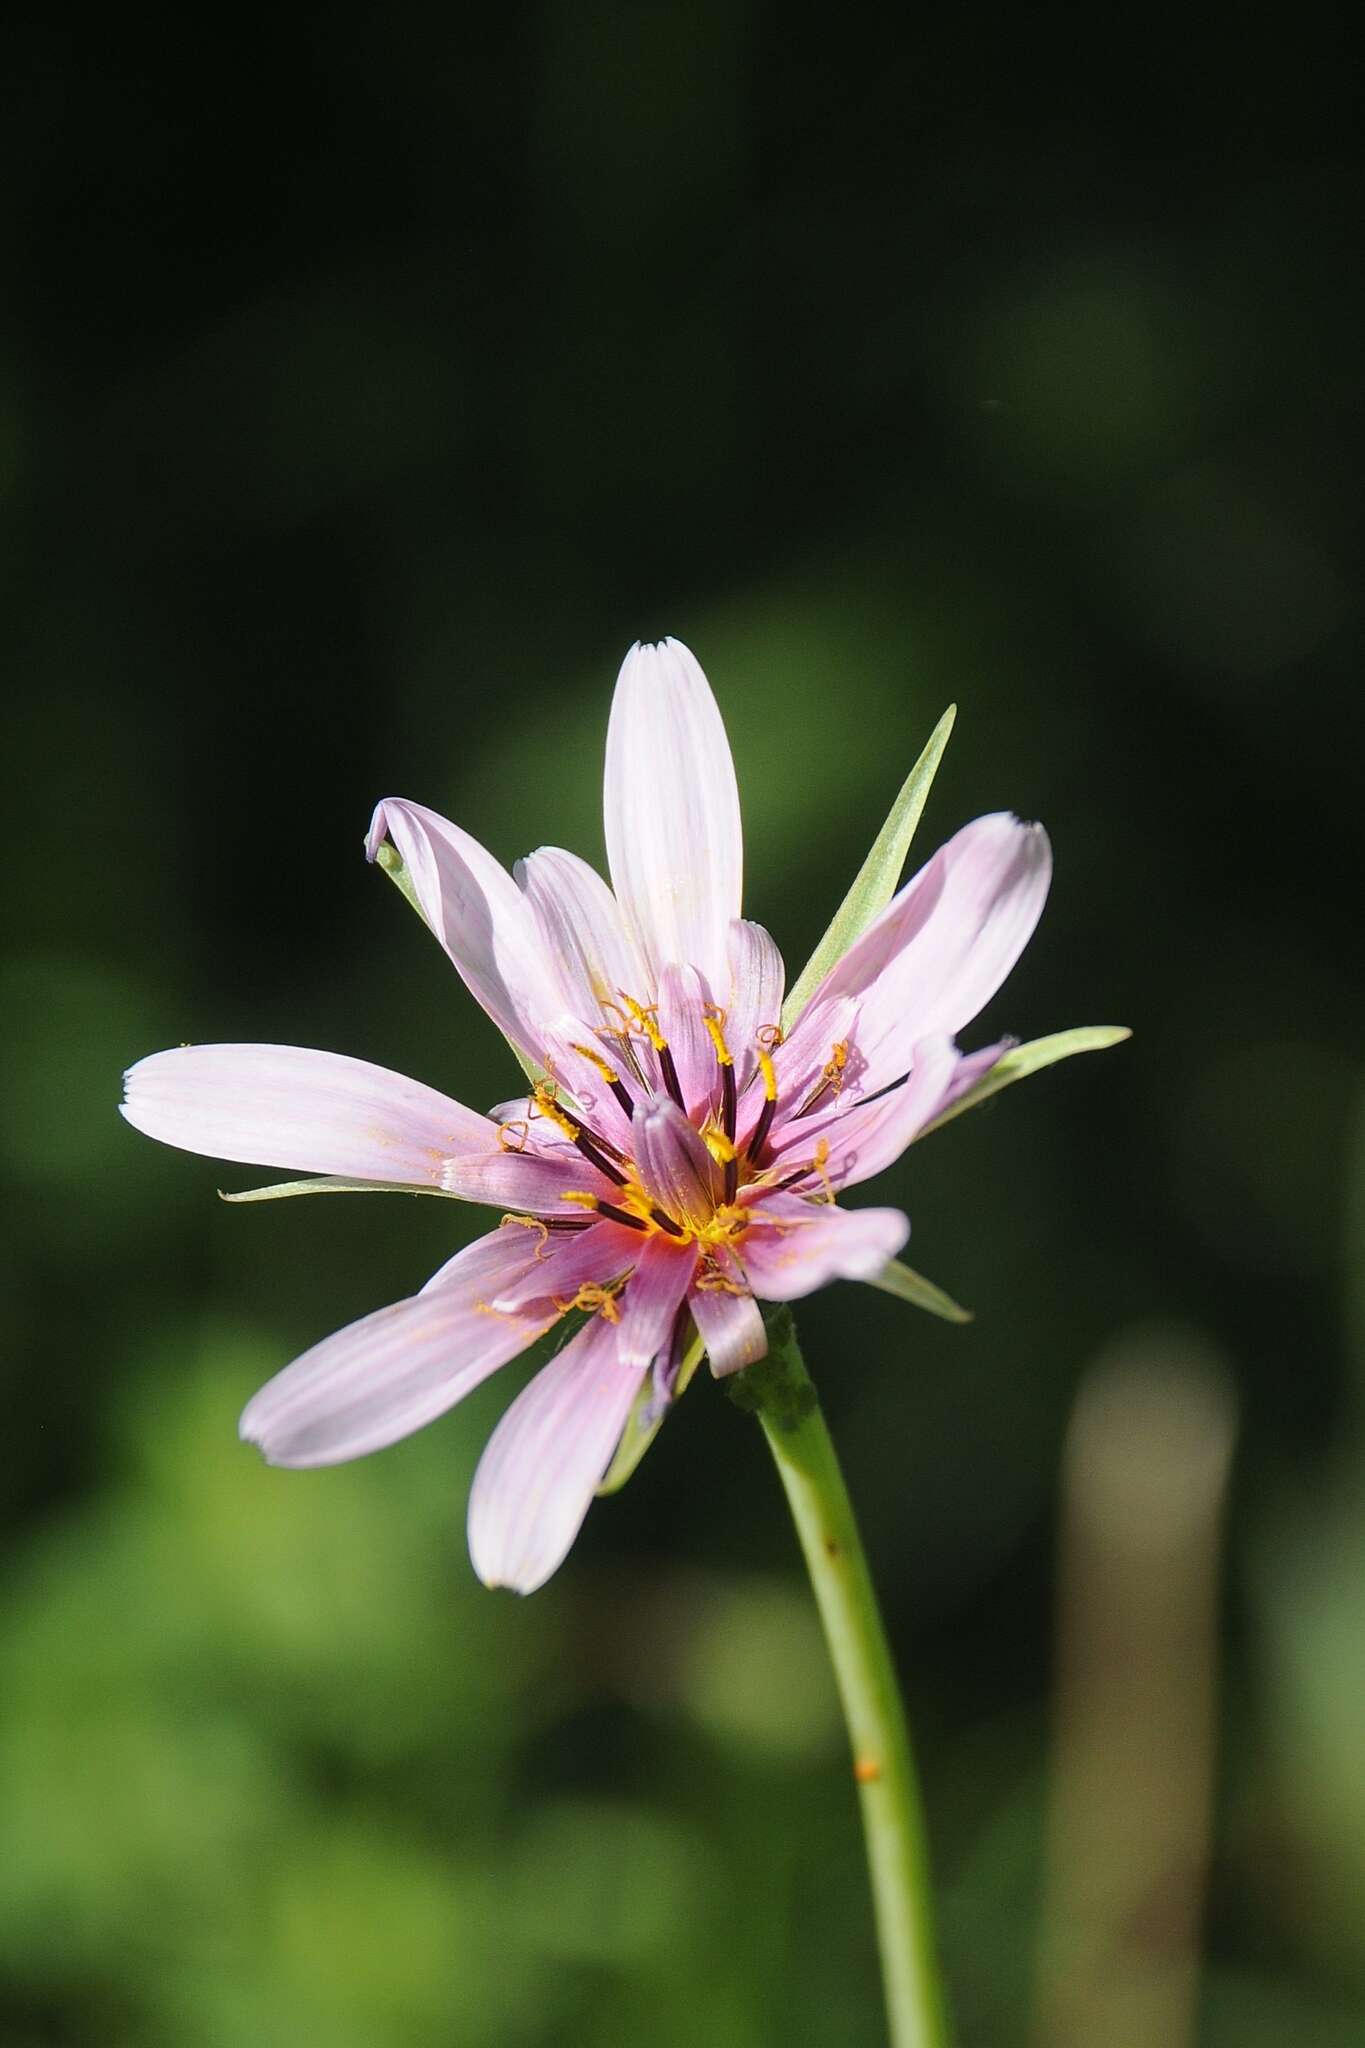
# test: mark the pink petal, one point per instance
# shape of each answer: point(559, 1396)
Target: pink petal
point(754, 1001)
point(397, 1369)
point(796, 1246)
point(799, 1064)
point(590, 1097)
point(863, 1138)
point(654, 1294)
point(583, 932)
point(683, 999)
point(564, 1264)
point(943, 946)
point(541, 1183)
point(318, 1112)
point(731, 1328)
point(675, 1168)
point(672, 811)
point(479, 915)
point(545, 1459)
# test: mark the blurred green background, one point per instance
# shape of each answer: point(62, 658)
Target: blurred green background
point(367, 384)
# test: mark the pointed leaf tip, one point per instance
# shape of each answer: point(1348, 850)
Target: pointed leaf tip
point(877, 879)
point(333, 1184)
point(907, 1285)
point(1023, 1060)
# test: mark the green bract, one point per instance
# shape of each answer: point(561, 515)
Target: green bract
point(1030, 1059)
point(908, 1285)
point(876, 880)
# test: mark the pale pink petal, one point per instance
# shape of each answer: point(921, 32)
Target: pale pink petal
point(654, 1294)
point(545, 1459)
point(563, 1264)
point(541, 1183)
point(583, 933)
point(754, 1001)
point(479, 915)
point(683, 1000)
point(731, 1328)
point(674, 1166)
point(795, 1246)
point(317, 1112)
point(672, 811)
point(863, 1138)
point(943, 946)
point(819, 1036)
point(570, 1054)
point(399, 1368)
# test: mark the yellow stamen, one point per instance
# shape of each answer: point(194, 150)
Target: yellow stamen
point(531, 1223)
point(721, 1148)
point(580, 1196)
point(591, 1298)
point(604, 1067)
point(765, 1066)
point(646, 1021)
point(550, 1109)
point(711, 1280)
point(770, 1036)
point(518, 1124)
point(820, 1165)
point(838, 1060)
point(713, 1023)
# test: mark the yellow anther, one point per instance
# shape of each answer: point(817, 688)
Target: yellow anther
point(713, 1021)
point(770, 1036)
point(519, 1125)
point(838, 1060)
point(580, 1196)
point(820, 1165)
point(721, 1148)
point(711, 1280)
point(646, 1021)
point(765, 1065)
point(591, 1298)
point(604, 1067)
point(531, 1223)
point(550, 1109)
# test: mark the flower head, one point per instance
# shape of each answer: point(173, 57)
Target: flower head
point(680, 1160)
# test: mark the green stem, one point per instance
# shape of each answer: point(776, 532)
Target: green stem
point(780, 1393)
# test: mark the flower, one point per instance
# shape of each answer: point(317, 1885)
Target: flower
point(680, 1160)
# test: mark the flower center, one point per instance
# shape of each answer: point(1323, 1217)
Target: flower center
point(712, 1217)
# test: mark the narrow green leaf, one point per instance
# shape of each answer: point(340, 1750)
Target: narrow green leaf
point(333, 1184)
point(1031, 1059)
point(876, 881)
point(638, 1435)
point(908, 1285)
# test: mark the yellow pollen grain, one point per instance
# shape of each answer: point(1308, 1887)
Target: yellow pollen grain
point(581, 1196)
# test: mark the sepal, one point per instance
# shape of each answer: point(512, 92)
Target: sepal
point(876, 881)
